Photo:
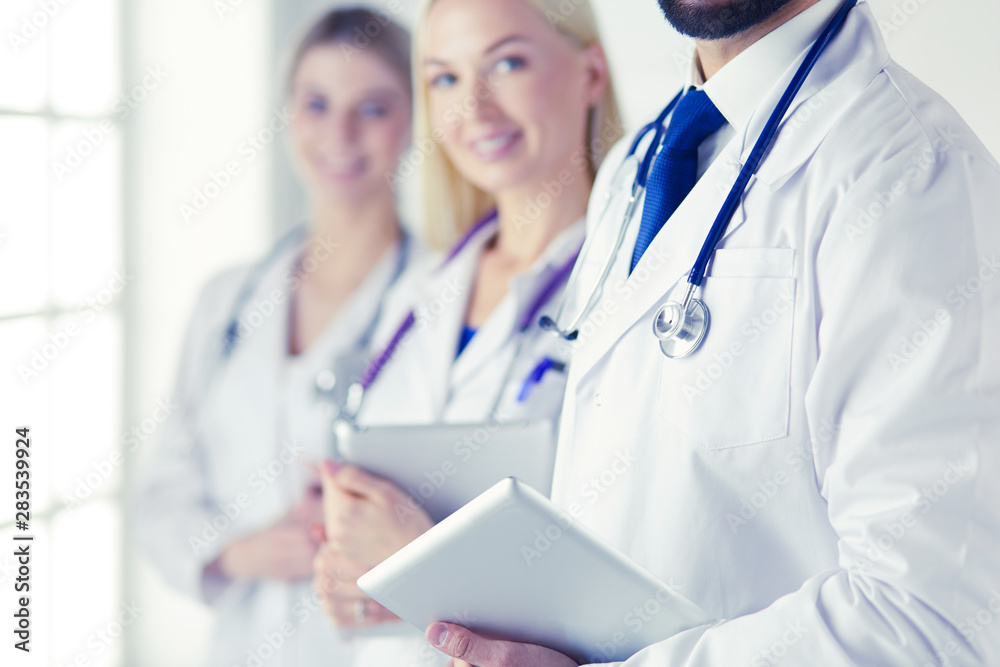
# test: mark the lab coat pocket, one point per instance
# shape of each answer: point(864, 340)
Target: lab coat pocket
point(735, 389)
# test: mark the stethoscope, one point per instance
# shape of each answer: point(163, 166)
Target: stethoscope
point(680, 325)
point(374, 369)
point(231, 334)
point(332, 384)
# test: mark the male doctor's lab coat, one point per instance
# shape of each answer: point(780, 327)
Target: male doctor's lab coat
point(823, 475)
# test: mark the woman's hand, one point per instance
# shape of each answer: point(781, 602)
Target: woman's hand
point(469, 649)
point(284, 551)
point(336, 581)
point(368, 519)
point(310, 510)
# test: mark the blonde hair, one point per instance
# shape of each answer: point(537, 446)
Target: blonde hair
point(451, 203)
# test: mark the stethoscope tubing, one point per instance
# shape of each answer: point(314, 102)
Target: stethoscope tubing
point(756, 156)
point(698, 271)
point(637, 190)
point(250, 286)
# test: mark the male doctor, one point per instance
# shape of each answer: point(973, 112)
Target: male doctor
point(823, 475)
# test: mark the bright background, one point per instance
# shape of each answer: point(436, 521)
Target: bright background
point(66, 233)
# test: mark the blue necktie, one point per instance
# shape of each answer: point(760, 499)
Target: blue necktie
point(675, 170)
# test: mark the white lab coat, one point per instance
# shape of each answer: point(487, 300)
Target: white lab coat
point(822, 475)
point(425, 383)
point(239, 447)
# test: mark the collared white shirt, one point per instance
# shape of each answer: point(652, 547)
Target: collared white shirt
point(735, 89)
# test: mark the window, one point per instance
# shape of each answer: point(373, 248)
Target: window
point(61, 282)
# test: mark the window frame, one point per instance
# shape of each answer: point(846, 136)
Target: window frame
point(121, 311)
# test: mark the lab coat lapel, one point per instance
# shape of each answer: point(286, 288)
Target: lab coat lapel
point(666, 262)
point(524, 289)
point(487, 343)
point(443, 303)
point(851, 61)
point(249, 436)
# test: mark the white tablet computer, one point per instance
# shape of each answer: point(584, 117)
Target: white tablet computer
point(444, 466)
point(512, 566)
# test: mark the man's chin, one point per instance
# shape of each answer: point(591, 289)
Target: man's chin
point(712, 19)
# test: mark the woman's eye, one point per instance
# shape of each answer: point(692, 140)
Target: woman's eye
point(316, 105)
point(372, 110)
point(508, 65)
point(443, 81)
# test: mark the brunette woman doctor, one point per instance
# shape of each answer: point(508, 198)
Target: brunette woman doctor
point(226, 506)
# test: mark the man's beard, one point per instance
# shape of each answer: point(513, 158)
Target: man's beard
point(707, 20)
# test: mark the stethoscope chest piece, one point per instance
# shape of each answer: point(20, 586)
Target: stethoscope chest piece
point(681, 329)
point(681, 325)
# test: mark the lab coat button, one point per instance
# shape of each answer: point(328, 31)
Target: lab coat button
point(598, 400)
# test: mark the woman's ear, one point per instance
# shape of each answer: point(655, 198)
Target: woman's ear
point(596, 68)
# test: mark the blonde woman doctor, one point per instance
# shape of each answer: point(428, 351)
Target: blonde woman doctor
point(226, 508)
point(520, 115)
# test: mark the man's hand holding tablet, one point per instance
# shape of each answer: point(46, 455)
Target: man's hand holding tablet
point(512, 565)
point(470, 650)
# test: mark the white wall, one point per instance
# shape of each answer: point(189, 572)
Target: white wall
point(216, 92)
